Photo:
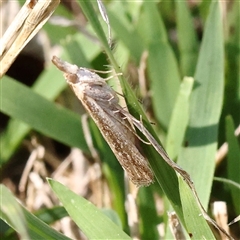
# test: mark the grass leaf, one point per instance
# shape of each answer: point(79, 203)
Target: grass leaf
point(206, 102)
point(187, 39)
point(196, 225)
point(89, 218)
point(61, 124)
point(233, 163)
point(179, 118)
point(26, 224)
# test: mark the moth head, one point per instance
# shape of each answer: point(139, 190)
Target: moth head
point(74, 75)
point(64, 66)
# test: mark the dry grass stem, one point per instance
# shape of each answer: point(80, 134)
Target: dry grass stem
point(221, 216)
point(30, 19)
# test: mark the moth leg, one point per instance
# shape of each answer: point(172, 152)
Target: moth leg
point(113, 76)
point(106, 72)
point(119, 94)
point(131, 127)
point(101, 71)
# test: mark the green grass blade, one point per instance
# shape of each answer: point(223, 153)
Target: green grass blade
point(11, 138)
point(179, 118)
point(51, 215)
point(148, 212)
point(165, 81)
point(233, 161)
point(92, 16)
point(230, 183)
point(124, 30)
point(151, 17)
point(26, 224)
point(49, 85)
point(206, 103)
point(112, 215)
point(162, 65)
point(20, 102)
point(232, 63)
point(196, 225)
point(187, 39)
point(12, 214)
point(90, 220)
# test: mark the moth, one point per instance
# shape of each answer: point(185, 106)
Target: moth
point(102, 104)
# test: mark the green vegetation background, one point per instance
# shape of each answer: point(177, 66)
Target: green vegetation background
point(193, 116)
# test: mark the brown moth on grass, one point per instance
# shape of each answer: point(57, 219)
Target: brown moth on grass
point(101, 102)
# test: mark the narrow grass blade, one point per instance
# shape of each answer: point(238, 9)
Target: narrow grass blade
point(206, 103)
point(90, 220)
point(230, 183)
point(233, 161)
point(148, 211)
point(26, 224)
point(51, 215)
point(187, 39)
point(232, 77)
point(150, 16)
point(19, 102)
point(49, 85)
point(123, 29)
point(162, 64)
point(11, 138)
point(91, 14)
point(179, 118)
point(196, 225)
point(12, 214)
